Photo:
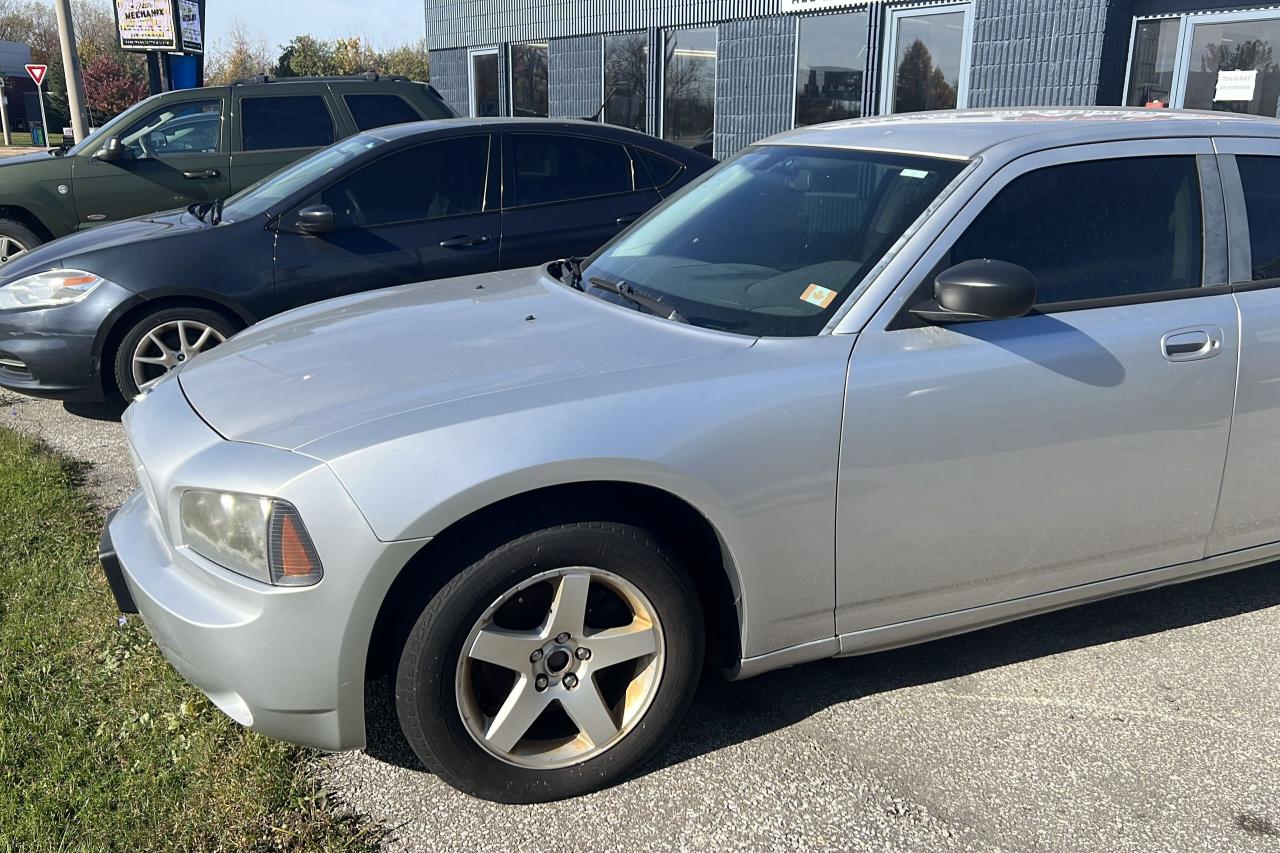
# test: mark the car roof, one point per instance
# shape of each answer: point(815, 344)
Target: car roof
point(965, 134)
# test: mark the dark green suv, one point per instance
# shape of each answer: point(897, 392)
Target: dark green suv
point(194, 145)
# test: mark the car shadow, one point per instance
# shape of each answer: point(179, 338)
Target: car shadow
point(111, 411)
point(726, 713)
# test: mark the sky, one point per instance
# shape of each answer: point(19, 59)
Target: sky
point(386, 23)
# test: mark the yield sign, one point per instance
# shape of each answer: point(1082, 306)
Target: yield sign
point(37, 73)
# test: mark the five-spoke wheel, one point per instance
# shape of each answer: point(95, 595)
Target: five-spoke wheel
point(552, 664)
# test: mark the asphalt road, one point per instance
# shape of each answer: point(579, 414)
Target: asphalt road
point(1146, 723)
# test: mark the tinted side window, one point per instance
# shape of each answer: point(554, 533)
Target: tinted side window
point(1261, 179)
point(432, 181)
point(372, 111)
point(291, 121)
point(561, 168)
point(655, 170)
point(193, 127)
point(1098, 229)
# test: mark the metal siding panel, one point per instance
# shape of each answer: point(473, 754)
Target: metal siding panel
point(755, 70)
point(574, 71)
point(449, 76)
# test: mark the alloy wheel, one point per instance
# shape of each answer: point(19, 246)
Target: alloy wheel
point(560, 668)
point(168, 346)
point(10, 249)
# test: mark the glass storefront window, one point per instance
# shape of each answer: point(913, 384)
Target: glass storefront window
point(1220, 48)
point(928, 54)
point(689, 88)
point(626, 74)
point(831, 64)
point(529, 79)
point(1155, 48)
point(484, 82)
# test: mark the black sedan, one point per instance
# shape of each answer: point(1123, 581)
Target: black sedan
point(110, 311)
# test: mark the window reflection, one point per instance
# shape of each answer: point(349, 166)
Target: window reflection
point(484, 83)
point(928, 51)
point(689, 88)
point(626, 68)
point(830, 67)
point(1155, 47)
point(529, 79)
point(1227, 47)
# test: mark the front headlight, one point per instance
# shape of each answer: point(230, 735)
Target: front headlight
point(48, 289)
point(260, 538)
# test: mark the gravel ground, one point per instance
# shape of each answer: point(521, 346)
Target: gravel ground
point(1146, 723)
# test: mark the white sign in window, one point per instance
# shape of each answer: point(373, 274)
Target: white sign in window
point(1236, 85)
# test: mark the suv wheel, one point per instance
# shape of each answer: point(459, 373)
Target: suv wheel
point(161, 342)
point(15, 239)
point(553, 665)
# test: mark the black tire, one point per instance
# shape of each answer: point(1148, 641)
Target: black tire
point(19, 233)
point(122, 360)
point(426, 696)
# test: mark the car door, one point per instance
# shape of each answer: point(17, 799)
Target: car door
point(565, 195)
point(273, 130)
point(172, 156)
point(984, 462)
point(1249, 508)
point(415, 214)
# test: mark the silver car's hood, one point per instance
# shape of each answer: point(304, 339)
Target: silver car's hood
point(335, 365)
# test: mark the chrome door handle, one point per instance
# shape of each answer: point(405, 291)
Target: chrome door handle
point(464, 242)
point(1191, 344)
point(201, 176)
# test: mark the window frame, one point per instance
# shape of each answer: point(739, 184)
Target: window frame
point(509, 175)
point(223, 141)
point(938, 241)
point(660, 113)
point(486, 202)
point(1237, 211)
point(869, 105)
point(338, 134)
point(355, 122)
point(888, 49)
point(472, 53)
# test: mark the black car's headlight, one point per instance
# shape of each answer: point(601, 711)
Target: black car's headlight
point(49, 289)
point(258, 537)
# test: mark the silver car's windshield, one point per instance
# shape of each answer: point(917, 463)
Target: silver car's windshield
point(259, 198)
point(772, 242)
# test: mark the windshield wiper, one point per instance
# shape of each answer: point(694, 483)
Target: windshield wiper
point(198, 209)
point(571, 272)
point(640, 300)
point(216, 210)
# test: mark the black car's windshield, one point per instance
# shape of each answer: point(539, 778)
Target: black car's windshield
point(772, 242)
point(259, 198)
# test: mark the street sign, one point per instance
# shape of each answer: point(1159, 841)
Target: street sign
point(37, 73)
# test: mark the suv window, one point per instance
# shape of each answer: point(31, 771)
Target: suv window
point(1099, 229)
point(285, 121)
point(431, 181)
point(551, 168)
point(372, 111)
point(1261, 179)
point(191, 127)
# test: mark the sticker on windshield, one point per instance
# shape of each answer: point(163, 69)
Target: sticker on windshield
point(816, 294)
point(918, 174)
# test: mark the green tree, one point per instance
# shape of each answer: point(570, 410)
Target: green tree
point(409, 60)
point(306, 56)
point(243, 55)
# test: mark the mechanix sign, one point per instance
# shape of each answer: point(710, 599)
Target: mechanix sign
point(147, 24)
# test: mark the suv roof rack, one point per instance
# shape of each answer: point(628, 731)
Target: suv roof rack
point(366, 77)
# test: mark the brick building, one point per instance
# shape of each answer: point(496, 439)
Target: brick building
point(719, 74)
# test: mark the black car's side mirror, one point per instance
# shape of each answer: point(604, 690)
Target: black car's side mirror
point(110, 152)
point(979, 290)
point(317, 219)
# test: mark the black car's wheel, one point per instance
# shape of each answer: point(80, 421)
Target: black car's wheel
point(160, 342)
point(552, 665)
point(15, 239)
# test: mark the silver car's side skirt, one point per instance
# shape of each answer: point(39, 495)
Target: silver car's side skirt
point(936, 627)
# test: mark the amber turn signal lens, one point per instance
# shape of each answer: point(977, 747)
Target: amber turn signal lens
point(292, 558)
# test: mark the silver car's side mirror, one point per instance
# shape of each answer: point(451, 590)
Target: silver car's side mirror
point(981, 289)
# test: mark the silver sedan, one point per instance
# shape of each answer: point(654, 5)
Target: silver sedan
point(864, 385)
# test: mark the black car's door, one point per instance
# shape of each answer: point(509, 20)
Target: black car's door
point(565, 195)
point(416, 214)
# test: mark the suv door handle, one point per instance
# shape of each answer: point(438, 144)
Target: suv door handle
point(629, 218)
point(1191, 344)
point(466, 241)
point(201, 176)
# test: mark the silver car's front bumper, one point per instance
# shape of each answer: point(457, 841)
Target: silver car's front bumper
point(287, 662)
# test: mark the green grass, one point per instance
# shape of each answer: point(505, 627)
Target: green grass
point(102, 745)
point(24, 139)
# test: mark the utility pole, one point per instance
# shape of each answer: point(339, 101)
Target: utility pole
point(71, 62)
point(4, 109)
